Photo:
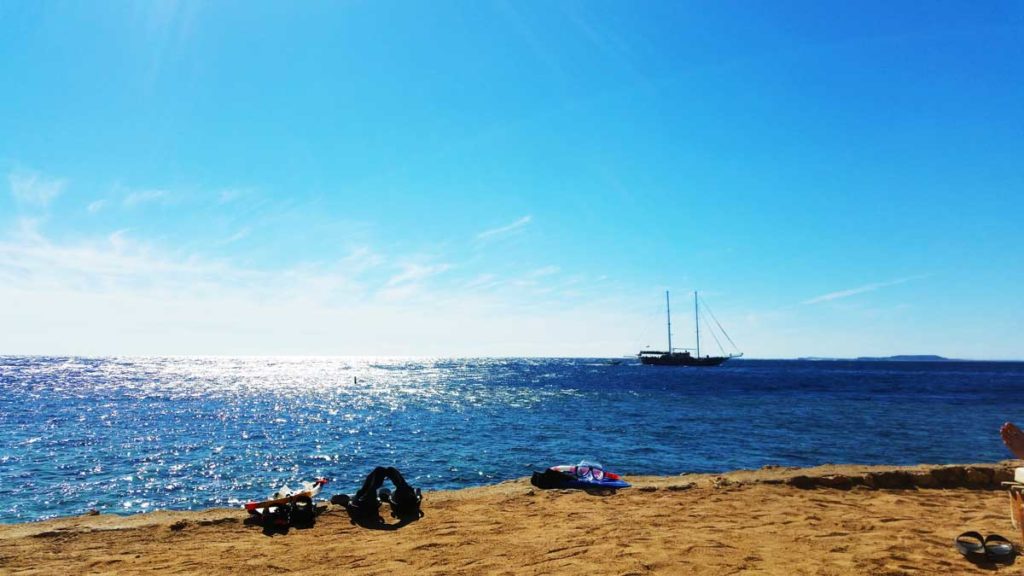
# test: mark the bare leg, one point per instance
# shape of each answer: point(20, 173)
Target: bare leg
point(1013, 437)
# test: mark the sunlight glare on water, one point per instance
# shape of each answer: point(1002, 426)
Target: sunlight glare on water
point(130, 435)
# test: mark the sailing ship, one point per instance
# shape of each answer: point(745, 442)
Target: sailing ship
point(682, 357)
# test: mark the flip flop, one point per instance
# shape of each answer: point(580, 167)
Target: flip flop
point(970, 544)
point(997, 547)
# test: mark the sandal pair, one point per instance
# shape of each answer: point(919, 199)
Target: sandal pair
point(993, 547)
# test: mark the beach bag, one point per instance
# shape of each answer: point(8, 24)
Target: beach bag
point(404, 501)
point(550, 479)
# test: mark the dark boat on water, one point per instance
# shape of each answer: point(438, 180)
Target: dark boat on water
point(672, 357)
point(684, 358)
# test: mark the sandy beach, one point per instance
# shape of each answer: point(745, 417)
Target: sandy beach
point(831, 520)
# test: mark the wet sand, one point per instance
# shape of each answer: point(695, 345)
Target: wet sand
point(831, 520)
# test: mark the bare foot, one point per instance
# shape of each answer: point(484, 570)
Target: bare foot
point(1013, 437)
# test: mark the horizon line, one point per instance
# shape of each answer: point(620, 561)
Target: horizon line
point(939, 358)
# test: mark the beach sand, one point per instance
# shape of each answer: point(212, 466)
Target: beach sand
point(826, 520)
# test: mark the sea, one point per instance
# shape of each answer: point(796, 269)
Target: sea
point(131, 435)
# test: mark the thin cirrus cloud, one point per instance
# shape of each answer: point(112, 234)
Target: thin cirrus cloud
point(482, 281)
point(505, 230)
point(545, 271)
point(46, 279)
point(840, 294)
point(34, 188)
point(229, 195)
point(145, 196)
point(240, 235)
point(130, 284)
point(416, 272)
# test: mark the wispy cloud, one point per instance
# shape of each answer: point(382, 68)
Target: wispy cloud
point(507, 229)
point(411, 282)
point(26, 230)
point(240, 235)
point(34, 188)
point(229, 195)
point(33, 263)
point(545, 271)
point(361, 259)
point(119, 240)
point(145, 196)
point(482, 281)
point(416, 272)
point(105, 293)
point(95, 206)
point(840, 294)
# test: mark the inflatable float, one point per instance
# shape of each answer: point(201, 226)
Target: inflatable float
point(583, 475)
point(287, 506)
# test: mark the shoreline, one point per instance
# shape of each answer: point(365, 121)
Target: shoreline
point(831, 519)
point(978, 476)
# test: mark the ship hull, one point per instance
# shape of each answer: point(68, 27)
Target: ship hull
point(682, 360)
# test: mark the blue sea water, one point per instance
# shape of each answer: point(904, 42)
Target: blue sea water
point(128, 435)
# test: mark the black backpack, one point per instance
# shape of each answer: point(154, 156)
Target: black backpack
point(550, 479)
point(404, 501)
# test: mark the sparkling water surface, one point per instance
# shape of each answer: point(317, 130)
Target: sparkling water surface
point(129, 435)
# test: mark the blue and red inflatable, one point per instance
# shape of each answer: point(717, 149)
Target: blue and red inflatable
point(583, 475)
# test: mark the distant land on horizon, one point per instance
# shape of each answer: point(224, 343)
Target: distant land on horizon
point(896, 358)
point(908, 358)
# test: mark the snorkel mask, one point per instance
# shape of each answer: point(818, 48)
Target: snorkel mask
point(587, 469)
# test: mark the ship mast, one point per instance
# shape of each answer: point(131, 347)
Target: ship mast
point(696, 319)
point(668, 315)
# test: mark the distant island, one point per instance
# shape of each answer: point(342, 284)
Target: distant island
point(907, 358)
point(897, 358)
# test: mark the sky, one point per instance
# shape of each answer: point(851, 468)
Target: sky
point(512, 178)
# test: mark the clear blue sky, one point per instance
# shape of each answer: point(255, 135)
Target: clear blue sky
point(510, 178)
